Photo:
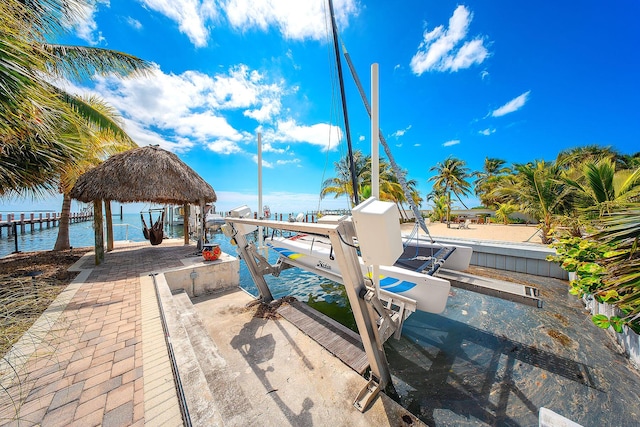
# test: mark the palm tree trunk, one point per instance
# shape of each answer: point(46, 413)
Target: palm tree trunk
point(99, 231)
point(403, 216)
point(448, 210)
point(109, 221)
point(62, 241)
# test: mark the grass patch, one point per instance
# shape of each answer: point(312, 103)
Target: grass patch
point(29, 283)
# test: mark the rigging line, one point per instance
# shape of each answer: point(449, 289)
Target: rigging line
point(394, 165)
point(333, 104)
point(354, 178)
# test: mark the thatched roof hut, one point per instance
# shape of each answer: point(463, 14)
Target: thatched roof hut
point(144, 174)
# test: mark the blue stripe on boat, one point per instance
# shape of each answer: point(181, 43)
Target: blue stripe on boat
point(387, 281)
point(404, 286)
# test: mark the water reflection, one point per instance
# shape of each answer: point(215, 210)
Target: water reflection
point(487, 361)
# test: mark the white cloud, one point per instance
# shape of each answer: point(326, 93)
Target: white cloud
point(134, 23)
point(484, 74)
point(487, 131)
point(268, 148)
point(514, 105)
point(361, 138)
point(417, 144)
point(452, 142)
point(192, 16)
point(321, 134)
point(179, 111)
point(265, 163)
point(439, 49)
point(296, 20)
point(401, 132)
point(85, 25)
point(295, 162)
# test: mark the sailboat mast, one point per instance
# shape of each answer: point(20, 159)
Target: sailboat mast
point(336, 48)
point(387, 150)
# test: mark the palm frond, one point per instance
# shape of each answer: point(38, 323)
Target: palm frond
point(79, 62)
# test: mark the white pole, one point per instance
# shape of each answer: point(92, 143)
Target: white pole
point(375, 161)
point(375, 157)
point(260, 213)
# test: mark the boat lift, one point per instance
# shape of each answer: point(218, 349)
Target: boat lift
point(376, 320)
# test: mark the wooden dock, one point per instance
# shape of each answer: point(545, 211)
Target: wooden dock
point(22, 222)
point(336, 338)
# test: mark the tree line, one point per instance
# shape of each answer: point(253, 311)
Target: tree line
point(587, 203)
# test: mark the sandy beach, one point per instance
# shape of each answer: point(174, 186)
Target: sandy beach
point(514, 233)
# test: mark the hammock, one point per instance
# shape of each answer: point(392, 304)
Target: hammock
point(155, 233)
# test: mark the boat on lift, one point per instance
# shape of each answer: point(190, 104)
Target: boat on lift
point(213, 220)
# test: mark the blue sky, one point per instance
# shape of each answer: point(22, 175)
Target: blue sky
point(514, 80)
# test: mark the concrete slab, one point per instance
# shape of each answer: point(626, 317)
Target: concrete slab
point(276, 375)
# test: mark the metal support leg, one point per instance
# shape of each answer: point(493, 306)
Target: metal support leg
point(254, 268)
point(363, 313)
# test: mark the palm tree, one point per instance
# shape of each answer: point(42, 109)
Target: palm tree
point(621, 228)
point(101, 142)
point(574, 157)
point(488, 178)
point(32, 111)
point(504, 210)
point(538, 190)
point(341, 184)
point(451, 176)
point(390, 188)
point(600, 188)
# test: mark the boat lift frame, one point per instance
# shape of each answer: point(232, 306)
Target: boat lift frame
point(374, 326)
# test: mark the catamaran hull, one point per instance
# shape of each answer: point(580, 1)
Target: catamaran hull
point(314, 254)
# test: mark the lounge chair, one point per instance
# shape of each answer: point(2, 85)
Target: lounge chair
point(465, 224)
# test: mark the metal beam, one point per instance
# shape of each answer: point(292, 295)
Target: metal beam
point(342, 237)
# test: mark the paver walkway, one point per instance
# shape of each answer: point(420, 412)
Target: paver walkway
point(82, 363)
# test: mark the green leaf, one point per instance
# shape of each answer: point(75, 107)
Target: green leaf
point(601, 321)
point(575, 291)
point(592, 268)
point(570, 265)
point(616, 323)
point(610, 295)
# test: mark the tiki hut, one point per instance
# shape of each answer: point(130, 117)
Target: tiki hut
point(144, 174)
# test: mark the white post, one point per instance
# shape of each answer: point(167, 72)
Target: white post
point(375, 158)
point(260, 212)
point(375, 161)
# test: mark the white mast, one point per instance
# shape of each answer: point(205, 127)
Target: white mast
point(260, 213)
point(375, 160)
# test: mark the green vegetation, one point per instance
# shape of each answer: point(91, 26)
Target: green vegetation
point(390, 188)
point(587, 204)
point(48, 137)
point(451, 177)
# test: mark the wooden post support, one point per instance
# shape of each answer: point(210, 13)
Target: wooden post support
point(99, 232)
point(186, 223)
point(107, 212)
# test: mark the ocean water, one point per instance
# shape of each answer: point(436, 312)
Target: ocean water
point(129, 227)
point(301, 284)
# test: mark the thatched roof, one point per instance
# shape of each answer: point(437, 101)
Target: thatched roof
point(144, 174)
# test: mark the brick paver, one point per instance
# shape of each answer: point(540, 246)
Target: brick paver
point(87, 368)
